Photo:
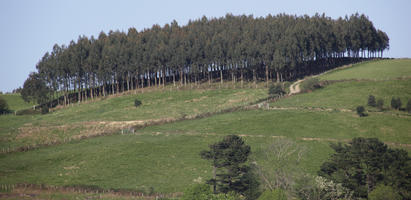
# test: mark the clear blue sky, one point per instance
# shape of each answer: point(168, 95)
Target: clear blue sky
point(30, 28)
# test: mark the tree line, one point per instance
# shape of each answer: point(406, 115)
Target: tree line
point(236, 48)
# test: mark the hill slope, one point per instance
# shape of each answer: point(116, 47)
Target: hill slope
point(166, 157)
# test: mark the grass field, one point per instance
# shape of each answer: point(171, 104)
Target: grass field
point(377, 70)
point(109, 115)
point(168, 163)
point(15, 102)
point(350, 94)
point(166, 157)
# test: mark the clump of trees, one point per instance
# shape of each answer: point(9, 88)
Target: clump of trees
point(364, 163)
point(231, 48)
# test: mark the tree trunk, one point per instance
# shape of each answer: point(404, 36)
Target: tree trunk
point(221, 76)
point(266, 76)
point(255, 78)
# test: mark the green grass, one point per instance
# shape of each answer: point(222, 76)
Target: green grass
point(15, 102)
point(377, 70)
point(297, 124)
point(349, 95)
point(166, 157)
point(80, 119)
point(166, 163)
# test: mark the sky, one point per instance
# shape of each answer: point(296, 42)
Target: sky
point(30, 28)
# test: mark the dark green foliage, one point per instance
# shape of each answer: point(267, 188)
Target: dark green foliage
point(408, 108)
point(371, 101)
point(276, 194)
point(4, 107)
point(361, 111)
point(230, 47)
point(383, 192)
point(396, 103)
point(137, 102)
point(276, 90)
point(311, 84)
point(35, 89)
point(203, 192)
point(380, 104)
point(44, 109)
point(231, 173)
point(366, 162)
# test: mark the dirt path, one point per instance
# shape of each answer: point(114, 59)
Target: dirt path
point(295, 87)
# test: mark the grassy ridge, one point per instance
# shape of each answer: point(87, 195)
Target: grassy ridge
point(83, 119)
point(168, 163)
point(377, 70)
point(166, 157)
point(350, 94)
point(15, 102)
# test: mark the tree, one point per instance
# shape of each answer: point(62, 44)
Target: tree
point(383, 192)
point(4, 107)
point(364, 163)
point(360, 111)
point(408, 108)
point(230, 171)
point(371, 101)
point(35, 89)
point(396, 103)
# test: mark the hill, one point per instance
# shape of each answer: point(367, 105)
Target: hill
point(165, 158)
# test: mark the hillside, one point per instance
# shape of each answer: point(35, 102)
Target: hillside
point(165, 158)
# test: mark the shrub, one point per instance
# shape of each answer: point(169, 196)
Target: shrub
point(44, 110)
point(396, 103)
point(408, 108)
point(311, 84)
point(371, 101)
point(203, 192)
point(276, 194)
point(360, 111)
point(382, 192)
point(276, 90)
point(137, 102)
point(4, 107)
point(380, 104)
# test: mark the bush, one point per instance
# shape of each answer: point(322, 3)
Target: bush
point(44, 110)
point(203, 192)
point(360, 111)
point(4, 107)
point(276, 90)
point(137, 102)
point(380, 104)
point(396, 103)
point(276, 194)
point(311, 84)
point(408, 108)
point(383, 192)
point(371, 101)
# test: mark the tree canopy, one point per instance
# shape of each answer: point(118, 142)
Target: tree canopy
point(276, 48)
point(366, 162)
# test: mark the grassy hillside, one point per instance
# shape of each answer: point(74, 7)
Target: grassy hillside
point(114, 113)
point(15, 102)
point(377, 70)
point(350, 94)
point(166, 157)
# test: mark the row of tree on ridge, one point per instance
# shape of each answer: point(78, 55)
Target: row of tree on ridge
point(235, 48)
